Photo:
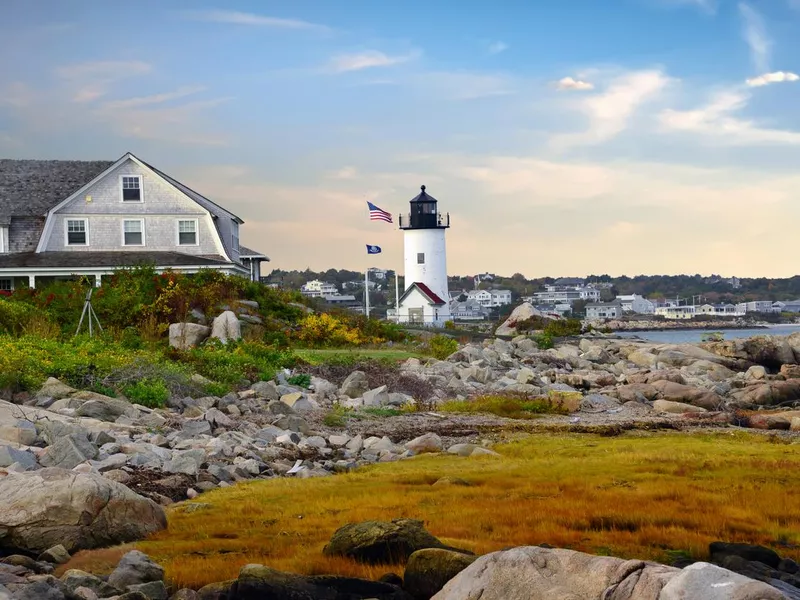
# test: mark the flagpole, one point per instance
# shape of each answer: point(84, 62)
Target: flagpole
point(366, 291)
point(397, 296)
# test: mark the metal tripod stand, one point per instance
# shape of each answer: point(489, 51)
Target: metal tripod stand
point(88, 311)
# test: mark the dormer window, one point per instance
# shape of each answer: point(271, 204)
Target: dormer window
point(131, 188)
point(235, 236)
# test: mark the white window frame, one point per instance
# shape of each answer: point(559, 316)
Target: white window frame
point(66, 231)
point(10, 281)
point(141, 189)
point(235, 236)
point(141, 224)
point(196, 232)
point(4, 239)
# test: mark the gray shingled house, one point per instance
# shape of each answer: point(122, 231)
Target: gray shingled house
point(62, 218)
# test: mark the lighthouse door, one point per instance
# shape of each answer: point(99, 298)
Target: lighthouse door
point(415, 315)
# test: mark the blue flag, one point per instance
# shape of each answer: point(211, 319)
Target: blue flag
point(373, 249)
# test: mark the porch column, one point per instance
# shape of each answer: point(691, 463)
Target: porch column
point(98, 280)
point(32, 281)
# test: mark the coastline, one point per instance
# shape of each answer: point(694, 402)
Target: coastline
point(634, 326)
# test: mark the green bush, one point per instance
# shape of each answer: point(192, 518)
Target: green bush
point(152, 393)
point(14, 316)
point(449, 325)
point(442, 346)
point(544, 340)
point(230, 363)
point(563, 327)
point(301, 380)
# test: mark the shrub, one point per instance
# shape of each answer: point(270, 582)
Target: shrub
point(563, 327)
point(442, 346)
point(230, 363)
point(512, 407)
point(544, 341)
point(14, 316)
point(152, 393)
point(449, 325)
point(301, 380)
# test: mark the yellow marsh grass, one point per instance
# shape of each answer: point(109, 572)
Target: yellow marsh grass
point(640, 495)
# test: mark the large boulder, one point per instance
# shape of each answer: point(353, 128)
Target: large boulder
point(54, 389)
point(355, 384)
point(104, 408)
point(429, 442)
point(77, 510)
point(68, 452)
point(226, 327)
point(676, 392)
point(184, 336)
point(135, 568)
point(429, 570)
point(257, 582)
point(376, 542)
point(771, 352)
point(767, 393)
point(523, 312)
point(537, 573)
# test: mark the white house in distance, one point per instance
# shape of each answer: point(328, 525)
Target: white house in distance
point(603, 310)
point(490, 298)
point(317, 289)
point(425, 299)
point(65, 218)
point(636, 304)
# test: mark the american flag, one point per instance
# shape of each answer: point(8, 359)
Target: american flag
point(378, 214)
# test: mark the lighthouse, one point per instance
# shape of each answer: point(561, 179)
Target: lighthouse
point(425, 300)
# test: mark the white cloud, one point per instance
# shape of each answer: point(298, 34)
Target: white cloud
point(91, 80)
point(242, 18)
point(755, 34)
point(368, 60)
point(348, 172)
point(568, 83)
point(776, 77)
point(610, 111)
point(156, 98)
point(497, 47)
point(717, 121)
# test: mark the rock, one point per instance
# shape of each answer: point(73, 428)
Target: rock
point(41, 587)
point(195, 428)
point(152, 590)
point(216, 591)
point(710, 582)
point(385, 542)
point(355, 384)
point(449, 480)
point(462, 449)
point(297, 401)
point(68, 452)
point(9, 456)
point(217, 418)
point(266, 389)
point(756, 372)
point(377, 397)
point(75, 578)
point(57, 555)
point(768, 393)
point(134, 568)
point(677, 392)
point(84, 593)
point(226, 327)
point(719, 550)
point(772, 422)
point(636, 392)
point(521, 313)
point(429, 442)
point(429, 570)
point(795, 424)
point(55, 389)
point(22, 432)
point(257, 581)
point(184, 336)
point(668, 406)
point(92, 511)
point(185, 594)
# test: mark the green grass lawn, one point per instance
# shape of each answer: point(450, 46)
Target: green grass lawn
point(318, 356)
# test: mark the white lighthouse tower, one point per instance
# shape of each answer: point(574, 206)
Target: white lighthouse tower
point(425, 300)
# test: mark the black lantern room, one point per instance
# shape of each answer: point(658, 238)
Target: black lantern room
point(424, 214)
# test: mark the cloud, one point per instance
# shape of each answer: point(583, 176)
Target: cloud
point(568, 83)
point(91, 80)
point(755, 34)
point(716, 120)
point(251, 19)
point(776, 77)
point(348, 172)
point(368, 60)
point(155, 99)
point(609, 112)
point(497, 47)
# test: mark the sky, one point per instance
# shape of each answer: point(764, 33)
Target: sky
point(565, 138)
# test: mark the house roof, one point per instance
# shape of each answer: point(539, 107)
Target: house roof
point(245, 252)
point(32, 187)
point(604, 305)
point(80, 260)
point(425, 291)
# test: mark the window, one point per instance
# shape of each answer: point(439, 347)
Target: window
point(235, 236)
point(187, 233)
point(420, 258)
point(76, 232)
point(6, 285)
point(131, 188)
point(133, 232)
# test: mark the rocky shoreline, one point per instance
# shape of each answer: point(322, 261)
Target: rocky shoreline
point(677, 325)
point(110, 466)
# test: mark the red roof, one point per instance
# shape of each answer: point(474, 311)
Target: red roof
point(428, 292)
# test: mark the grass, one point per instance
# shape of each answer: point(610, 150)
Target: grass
point(323, 355)
point(339, 415)
point(512, 407)
point(648, 496)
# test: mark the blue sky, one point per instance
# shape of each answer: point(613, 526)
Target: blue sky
point(564, 137)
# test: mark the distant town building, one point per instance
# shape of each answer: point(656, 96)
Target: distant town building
point(564, 294)
point(672, 311)
point(759, 306)
point(634, 303)
point(604, 310)
point(719, 310)
point(790, 306)
point(317, 289)
point(469, 310)
point(490, 298)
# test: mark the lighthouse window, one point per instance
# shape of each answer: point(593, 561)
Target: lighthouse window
point(420, 258)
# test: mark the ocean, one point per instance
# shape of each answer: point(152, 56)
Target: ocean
point(689, 336)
